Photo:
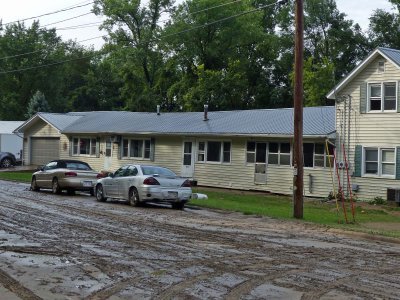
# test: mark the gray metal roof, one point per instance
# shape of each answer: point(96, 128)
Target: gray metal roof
point(392, 54)
point(318, 121)
point(7, 127)
point(61, 121)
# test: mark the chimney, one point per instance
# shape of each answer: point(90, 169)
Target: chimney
point(205, 112)
point(158, 110)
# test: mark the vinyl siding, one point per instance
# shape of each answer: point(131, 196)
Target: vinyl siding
point(369, 129)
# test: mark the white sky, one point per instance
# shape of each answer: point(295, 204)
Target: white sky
point(12, 10)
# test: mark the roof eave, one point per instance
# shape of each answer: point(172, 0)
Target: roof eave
point(332, 94)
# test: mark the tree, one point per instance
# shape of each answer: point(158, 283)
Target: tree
point(37, 103)
point(381, 26)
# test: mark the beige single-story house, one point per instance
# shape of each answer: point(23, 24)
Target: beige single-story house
point(247, 149)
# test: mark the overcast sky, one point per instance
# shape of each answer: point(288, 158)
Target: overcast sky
point(12, 10)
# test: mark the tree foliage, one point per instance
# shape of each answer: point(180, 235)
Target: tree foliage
point(227, 54)
point(37, 103)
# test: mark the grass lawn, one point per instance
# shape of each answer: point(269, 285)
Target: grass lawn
point(22, 176)
point(373, 219)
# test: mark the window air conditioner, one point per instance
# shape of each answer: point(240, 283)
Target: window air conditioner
point(393, 194)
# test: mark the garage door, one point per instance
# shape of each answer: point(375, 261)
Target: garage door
point(44, 149)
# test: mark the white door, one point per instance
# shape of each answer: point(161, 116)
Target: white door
point(260, 170)
point(187, 159)
point(108, 154)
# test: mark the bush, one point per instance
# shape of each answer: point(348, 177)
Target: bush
point(377, 201)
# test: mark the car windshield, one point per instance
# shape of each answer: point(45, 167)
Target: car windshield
point(77, 166)
point(150, 170)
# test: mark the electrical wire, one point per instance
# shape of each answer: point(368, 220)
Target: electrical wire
point(87, 25)
point(50, 13)
point(168, 35)
point(72, 18)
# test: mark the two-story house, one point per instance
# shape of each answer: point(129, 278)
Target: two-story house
point(368, 124)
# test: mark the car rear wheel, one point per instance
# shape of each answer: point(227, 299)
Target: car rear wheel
point(6, 163)
point(100, 193)
point(34, 186)
point(134, 199)
point(55, 187)
point(179, 205)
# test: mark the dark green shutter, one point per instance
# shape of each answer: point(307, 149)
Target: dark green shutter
point(97, 146)
point(357, 161)
point(398, 96)
point(152, 148)
point(397, 162)
point(363, 98)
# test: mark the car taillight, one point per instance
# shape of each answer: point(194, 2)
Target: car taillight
point(100, 175)
point(151, 181)
point(70, 174)
point(186, 183)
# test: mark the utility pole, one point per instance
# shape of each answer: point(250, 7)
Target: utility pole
point(298, 172)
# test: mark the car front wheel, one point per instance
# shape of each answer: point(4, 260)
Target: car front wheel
point(6, 163)
point(134, 199)
point(34, 186)
point(55, 187)
point(100, 193)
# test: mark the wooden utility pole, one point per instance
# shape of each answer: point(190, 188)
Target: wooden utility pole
point(298, 185)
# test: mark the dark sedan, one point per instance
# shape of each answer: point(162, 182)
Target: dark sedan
point(69, 175)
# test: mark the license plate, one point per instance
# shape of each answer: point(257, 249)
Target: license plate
point(87, 183)
point(173, 195)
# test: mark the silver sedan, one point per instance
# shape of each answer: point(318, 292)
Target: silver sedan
point(69, 175)
point(139, 183)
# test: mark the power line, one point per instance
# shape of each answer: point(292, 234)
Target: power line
point(37, 51)
point(279, 2)
point(80, 26)
point(51, 13)
point(72, 18)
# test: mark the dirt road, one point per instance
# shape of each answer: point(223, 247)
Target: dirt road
point(72, 247)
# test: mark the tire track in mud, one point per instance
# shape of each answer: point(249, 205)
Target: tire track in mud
point(18, 289)
point(237, 252)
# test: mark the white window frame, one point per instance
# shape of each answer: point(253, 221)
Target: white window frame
point(279, 154)
point(78, 146)
point(379, 162)
point(325, 155)
point(129, 141)
point(221, 154)
point(382, 97)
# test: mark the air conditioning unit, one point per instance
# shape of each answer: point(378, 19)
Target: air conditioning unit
point(393, 194)
point(115, 138)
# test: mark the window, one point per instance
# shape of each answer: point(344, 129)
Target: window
point(214, 151)
point(381, 67)
point(382, 96)
point(251, 152)
point(279, 154)
point(379, 161)
point(136, 148)
point(315, 155)
point(84, 146)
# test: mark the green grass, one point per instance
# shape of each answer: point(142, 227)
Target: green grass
point(23, 176)
point(315, 211)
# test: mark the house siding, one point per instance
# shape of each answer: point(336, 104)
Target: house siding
point(368, 129)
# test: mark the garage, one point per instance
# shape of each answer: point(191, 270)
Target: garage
point(44, 149)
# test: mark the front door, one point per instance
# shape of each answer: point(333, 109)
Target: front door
point(108, 154)
point(260, 171)
point(187, 159)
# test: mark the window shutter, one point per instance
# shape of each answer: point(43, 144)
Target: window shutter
point(70, 146)
point(357, 161)
point(120, 148)
point(397, 162)
point(398, 96)
point(363, 98)
point(97, 146)
point(152, 148)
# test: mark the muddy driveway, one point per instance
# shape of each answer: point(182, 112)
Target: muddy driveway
point(72, 247)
